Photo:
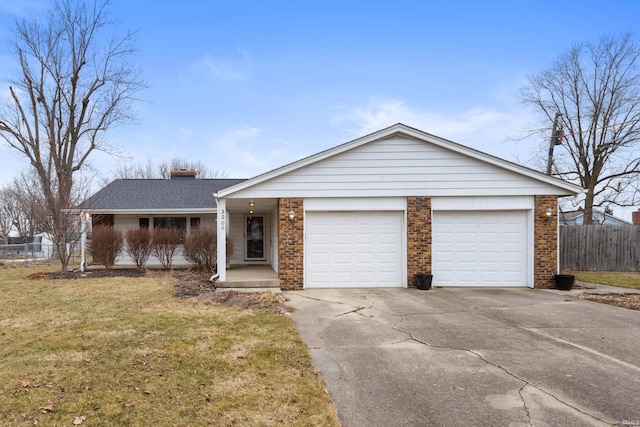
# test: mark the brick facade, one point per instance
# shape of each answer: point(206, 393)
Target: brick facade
point(291, 244)
point(545, 255)
point(418, 237)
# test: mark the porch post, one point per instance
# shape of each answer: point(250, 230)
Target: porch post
point(221, 224)
point(84, 218)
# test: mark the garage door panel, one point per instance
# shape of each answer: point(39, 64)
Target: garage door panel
point(363, 249)
point(473, 248)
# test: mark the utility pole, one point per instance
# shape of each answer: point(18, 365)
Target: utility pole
point(556, 139)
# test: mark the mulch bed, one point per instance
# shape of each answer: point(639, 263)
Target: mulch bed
point(630, 301)
point(196, 287)
point(91, 274)
point(265, 301)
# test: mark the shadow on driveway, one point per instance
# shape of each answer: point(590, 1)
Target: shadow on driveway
point(404, 357)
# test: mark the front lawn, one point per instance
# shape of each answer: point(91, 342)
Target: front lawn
point(124, 351)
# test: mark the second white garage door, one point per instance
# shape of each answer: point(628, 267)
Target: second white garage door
point(480, 248)
point(353, 249)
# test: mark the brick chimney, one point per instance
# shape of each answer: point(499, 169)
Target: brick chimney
point(183, 173)
point(635, 217)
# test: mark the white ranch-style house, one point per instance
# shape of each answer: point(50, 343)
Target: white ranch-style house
point(372, 212)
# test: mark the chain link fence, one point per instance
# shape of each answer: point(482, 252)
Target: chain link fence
point(35, 253)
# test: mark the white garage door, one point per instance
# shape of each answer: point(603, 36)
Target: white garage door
point(353, 249)
point(480, 248)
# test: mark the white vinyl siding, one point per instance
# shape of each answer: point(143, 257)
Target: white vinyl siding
point(124, 222)
point(480, 248)
point(487, 203)
point(353, 249)
point(398, 166)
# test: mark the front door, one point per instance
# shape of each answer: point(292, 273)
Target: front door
point(254, 238)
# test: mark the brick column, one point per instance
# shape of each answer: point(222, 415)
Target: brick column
point(291, 244)
point(545, 252)
point(418, 237)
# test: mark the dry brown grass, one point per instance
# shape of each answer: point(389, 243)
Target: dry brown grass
point(623, 280)
point(123, 351)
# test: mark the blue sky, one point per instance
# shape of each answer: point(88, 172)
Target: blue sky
point(247, 86)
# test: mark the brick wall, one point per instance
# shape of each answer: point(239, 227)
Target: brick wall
point(291, 244)
point(545, 258)
point(418, 237)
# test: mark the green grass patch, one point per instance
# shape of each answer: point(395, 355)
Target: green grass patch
point(623, 280)
point(123, 351)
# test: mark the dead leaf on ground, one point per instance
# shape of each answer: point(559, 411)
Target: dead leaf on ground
point(79, 420)
point(630, 301)
point(47, 408)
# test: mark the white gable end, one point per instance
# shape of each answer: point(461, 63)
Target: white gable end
point(399, 166)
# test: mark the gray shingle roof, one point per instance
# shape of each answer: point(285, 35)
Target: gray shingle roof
point(143, 194)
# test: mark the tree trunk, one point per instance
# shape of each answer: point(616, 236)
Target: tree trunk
point(587, 218)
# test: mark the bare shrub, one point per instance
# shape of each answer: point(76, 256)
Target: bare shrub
point(201, 249)
point(138, 245)
point(106, 244)
point(164, 243)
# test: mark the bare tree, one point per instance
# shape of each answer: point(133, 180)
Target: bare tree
point(23, 201)
point(17, 211)
point(596, 88)
point(6, 220)
point(162, 170)
point(74, 84)
point(138, 171)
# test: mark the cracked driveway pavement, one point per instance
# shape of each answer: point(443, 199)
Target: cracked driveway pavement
point(459, 356)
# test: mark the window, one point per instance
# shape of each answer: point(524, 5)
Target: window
point(179, 223)
point(143, 222)
point(195, 223)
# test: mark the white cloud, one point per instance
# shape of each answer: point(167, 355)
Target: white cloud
point(380, 113)
point(250, 147)
point(185, 134)
point(481, 128)
point(225, 68)
point(23, 8)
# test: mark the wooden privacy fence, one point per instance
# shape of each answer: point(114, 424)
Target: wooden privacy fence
point(600, 247)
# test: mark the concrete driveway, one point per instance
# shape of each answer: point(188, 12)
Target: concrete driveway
point(518, 357)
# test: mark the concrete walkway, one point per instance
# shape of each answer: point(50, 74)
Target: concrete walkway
point(594, 288)
point(461, 357)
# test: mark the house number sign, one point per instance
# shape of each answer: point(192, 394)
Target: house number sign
point(222, 220)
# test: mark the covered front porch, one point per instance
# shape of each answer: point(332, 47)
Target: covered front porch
point(248, 229)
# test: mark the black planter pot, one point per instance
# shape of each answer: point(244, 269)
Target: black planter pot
point(424, 281)
point(564, 282)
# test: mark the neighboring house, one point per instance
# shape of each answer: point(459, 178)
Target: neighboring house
point(599, 217)
point(373, 212)
point(39, 246)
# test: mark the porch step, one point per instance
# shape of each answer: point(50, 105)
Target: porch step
point(249, 284)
